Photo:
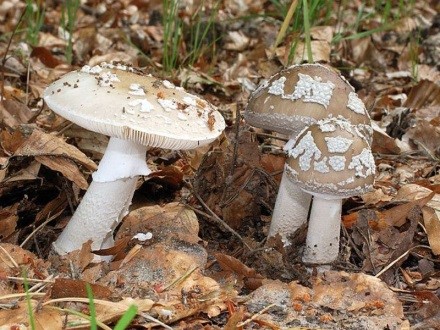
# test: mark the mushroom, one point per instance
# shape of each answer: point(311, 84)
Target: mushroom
point(331, 160)
point(290, 101)
point(137, 111)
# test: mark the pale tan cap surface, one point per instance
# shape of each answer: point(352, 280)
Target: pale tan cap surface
point(117, 101)
point(331, 158)
point(300, 95)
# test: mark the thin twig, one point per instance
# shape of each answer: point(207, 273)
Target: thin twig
point(271, 136)
point(284, 26)
point(220, 221)
point(253, 317)
point(152, 319)
point(391, 264)
point(14, 263)
point(180, 279)
point(21, 279)
point(237, 133)
point(2, 90)
point(217, 219)
point(39, 228)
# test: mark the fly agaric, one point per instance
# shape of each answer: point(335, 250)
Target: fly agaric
point(290, 101)
point(137, 111)
point(331, 160)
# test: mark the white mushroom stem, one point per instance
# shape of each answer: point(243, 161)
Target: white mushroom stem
point(291, 210)
point(322, 243)
point(108, 198)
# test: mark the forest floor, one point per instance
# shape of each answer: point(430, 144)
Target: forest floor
point(207, 265)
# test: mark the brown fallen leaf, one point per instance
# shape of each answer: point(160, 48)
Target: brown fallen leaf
point(45, 56)
point(64, 287)
point(14, 113)
point(43, 144)
point(425, 93)
point(8, 220)
point(66, 167)
point(246, 273)
point(431, 220)
point(54, 207)
point(45, 318)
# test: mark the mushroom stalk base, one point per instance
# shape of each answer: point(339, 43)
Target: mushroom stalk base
point(322, 243)
point(291, 210)
point(106, 201)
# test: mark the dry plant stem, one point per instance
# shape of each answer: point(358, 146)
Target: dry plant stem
point(322, 243)
point(108, 198)
point(290, 211)
point(253, 317)
point(217, 219)
point(284, 26)
point(6, 54)
point(391, 264)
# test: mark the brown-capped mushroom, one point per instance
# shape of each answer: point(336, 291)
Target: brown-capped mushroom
point(331, 160)
point(289, 101)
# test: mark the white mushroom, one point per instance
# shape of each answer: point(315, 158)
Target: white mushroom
point(331, 161)
point(128, 106)
point(289, 101)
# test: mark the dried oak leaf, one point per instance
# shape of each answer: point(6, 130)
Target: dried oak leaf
point(56, 154)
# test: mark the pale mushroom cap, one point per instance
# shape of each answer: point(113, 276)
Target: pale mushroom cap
point(331, 158)
point(117, 101)
point(300, 95)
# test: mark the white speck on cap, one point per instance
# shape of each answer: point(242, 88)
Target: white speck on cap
point(312, 90)
point(168, 105)
point(306, 150)
point(168, 84)
point(277, 86)
point(110, 111)
point(136, 89)
point(338, 143)
point(356, 104)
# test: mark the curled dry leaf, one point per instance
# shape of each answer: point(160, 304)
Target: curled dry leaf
point(172, 221)
point(64, 287)
point(8, 221)
point(14, 113)
point(43, 144)
point(45, 317)
point(54, 153)
point(249, 275)
point(431, 212)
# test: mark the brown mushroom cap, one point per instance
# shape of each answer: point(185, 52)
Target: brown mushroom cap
point(116, 100)
point(300, 95)
point(331, 158)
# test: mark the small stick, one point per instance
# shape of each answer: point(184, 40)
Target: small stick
point(253, 317)
point(237, 132)
point(391, 264)
point(6, 53)
point(217, 219)
point(14, 263)
point(36, 230)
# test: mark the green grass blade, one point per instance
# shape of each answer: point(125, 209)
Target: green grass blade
point(307, 31)
point(126, 318)
point(92, 309)
point(28, 301)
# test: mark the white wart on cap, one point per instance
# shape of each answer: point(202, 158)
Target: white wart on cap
point(121, 102)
